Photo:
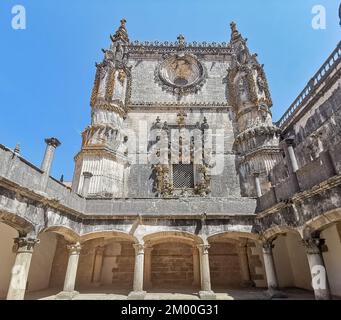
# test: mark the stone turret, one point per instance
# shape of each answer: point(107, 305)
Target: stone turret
point(257, 139)
point(104, 151)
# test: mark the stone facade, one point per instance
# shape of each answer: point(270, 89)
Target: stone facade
point(183, 181)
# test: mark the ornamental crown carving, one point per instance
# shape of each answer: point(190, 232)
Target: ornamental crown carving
point(181, 74)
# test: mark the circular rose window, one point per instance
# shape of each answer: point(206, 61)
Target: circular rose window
point(181, 74)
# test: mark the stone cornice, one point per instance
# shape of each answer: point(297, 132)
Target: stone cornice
point(256, 131)
point(45, 201)
point(100, 150)
point(157, 47)
point(136, 104)
point(263, 150)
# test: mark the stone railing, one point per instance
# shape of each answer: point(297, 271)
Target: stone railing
point(312, 174)
point(312, 85)
point(24, 175)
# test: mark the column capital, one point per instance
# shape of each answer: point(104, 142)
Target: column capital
point(74, 248)
point(267, 247)
point(139, 248)
point(204, 248)
point(313, 244)
point(290, 141)
point(54, 142)
point(25, 243)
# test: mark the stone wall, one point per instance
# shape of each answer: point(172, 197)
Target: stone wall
point(224, 265)
point(59, 264)
point(172, 265)
point(118, 265)
point(141, 180)
point(145, 88)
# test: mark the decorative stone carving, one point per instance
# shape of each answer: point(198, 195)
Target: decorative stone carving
point(74, 248)
point(181, 74)
point(181, 119)
point(313, 244)
point(25, 243)
point(164, 185)
point(203, 186)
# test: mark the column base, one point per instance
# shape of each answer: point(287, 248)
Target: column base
point(137, 295)
point(207, 295)
point(275, 294)
point(66, 295)
point(322, 295)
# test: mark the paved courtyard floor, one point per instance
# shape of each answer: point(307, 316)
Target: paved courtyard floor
point(227, 294)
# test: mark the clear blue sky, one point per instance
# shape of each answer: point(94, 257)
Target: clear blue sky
point(47, 70)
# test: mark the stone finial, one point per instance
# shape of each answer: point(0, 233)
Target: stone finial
point(17, 149)
point(181, 40)
point(121, 33)
point(235, 35)
point(54, 142)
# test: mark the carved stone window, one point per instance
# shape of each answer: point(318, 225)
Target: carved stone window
point(183, 176)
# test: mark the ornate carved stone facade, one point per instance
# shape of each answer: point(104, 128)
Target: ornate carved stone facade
point(182, 180)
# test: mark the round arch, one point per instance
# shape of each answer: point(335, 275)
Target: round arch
point(68, 234)
point(112, 234)
point(18, 223)
point(323, 221)
point(272, 233)
point(233, 235)
point(177, 235)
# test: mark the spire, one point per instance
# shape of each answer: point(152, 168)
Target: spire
point(121, 33)
point(235, 35)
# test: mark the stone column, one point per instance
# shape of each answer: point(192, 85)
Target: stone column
point(257, 184)
point(196, 267)
point(96, 279)
point(71, 271)
point(51, 145)
point(20, 270)
point(244, 266)
point(138, 293)
point(292, 156)
point(317, 268)
point(270, 270)
point(206, 291)
point(86, 183)
point(148, 266)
